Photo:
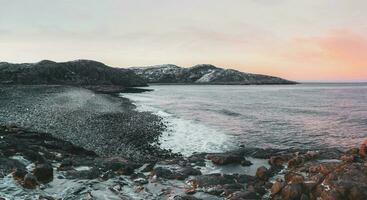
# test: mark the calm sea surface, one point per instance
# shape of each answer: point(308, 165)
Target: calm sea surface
point(217, 118)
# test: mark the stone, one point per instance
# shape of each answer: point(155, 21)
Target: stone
point(66, 164)
point(226, 158)
point(277, 187)
point(295, 162)
point(262, 173)
point(185, 197)
point(292, 191)
point(347, 158)
point(276, 161)
point(120, 166)
point(30, 181)
point(363, 149)
point(19, 173)
point(43, 172)
point(240, 195)
point(348, 181)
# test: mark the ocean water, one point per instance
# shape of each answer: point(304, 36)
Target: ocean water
point(215, 118)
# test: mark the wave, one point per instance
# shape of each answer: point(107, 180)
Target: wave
point(185, 136)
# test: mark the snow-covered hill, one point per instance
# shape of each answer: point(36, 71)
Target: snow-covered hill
point(203, 74)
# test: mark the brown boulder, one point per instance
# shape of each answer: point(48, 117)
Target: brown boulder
point(348, 181)
point(276, 161)
point(292, 191)
point(363, 149)
point(277, 187)
point(262, 173)
point(228, 158)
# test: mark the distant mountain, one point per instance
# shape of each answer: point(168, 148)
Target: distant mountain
point(203, 74)
point(79, 72)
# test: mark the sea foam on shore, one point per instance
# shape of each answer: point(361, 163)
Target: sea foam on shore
point(184, 136)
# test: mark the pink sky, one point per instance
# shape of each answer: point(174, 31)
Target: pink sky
point(324, 40)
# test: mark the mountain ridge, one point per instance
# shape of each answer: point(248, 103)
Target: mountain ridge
point(203, 74)
point(77, 72)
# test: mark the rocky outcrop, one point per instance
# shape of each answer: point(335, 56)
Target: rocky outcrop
point(310, 177)
point(79, 72)
point(203, 74)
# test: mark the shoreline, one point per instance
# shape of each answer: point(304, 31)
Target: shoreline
point(48, 166)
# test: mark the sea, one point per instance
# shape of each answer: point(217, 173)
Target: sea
point(218, 118)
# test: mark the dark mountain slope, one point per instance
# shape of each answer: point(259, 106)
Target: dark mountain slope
point(80, 72)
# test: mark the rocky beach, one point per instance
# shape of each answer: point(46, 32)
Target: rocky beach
point(64, 142)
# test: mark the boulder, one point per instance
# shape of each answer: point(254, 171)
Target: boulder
point(292, 191)
point(347, 181)
point(363, 149)
point(228, 158)
point(179, 174)
point(185, 197)
point(19, 173)
point(30, 181)
point(120, 166)
point(276, 161)
point(262, 173)
point(43, 172)
point(277, 187)
point(241, 195)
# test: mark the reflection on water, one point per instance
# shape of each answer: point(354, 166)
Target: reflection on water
point(289, 116)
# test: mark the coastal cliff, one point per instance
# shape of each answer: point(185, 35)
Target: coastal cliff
point(203, 74)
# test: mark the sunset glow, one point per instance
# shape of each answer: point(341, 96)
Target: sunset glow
point(299, 40)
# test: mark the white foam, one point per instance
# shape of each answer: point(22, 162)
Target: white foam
point(182, 135)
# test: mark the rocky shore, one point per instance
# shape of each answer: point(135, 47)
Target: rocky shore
point(104, 123)
point(61, 142)
point(39, 166)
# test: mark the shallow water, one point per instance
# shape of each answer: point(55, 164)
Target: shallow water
point(220, 117)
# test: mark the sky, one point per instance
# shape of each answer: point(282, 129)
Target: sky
point(302, 40)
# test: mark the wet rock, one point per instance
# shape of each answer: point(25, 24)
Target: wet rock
point(140, 181)
point(292, 191)
point(210, 180)
point(277, 187)
point(262, 173)
point(348, 158)
point(46, 198)
point(30, 181)
point(179, 174)
point(363, 149)
point(242, 195)
point(120, 166)
point(163, 173)
point(310, 185)
point(147, 167)
point(352, 151)
point(43, 172)
point(19, 173)
point(227, 158)
point(292, 177)
point(189, 171)
point(304, 197)
point(65, 165)
point(92, 173)
point(7, 165)
point(276, 161)
point(296, 162)
point(32, 155)
point(326, 168)
point(185, 197)
point(197, 159)
point(314, 169)
point(349, 181)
